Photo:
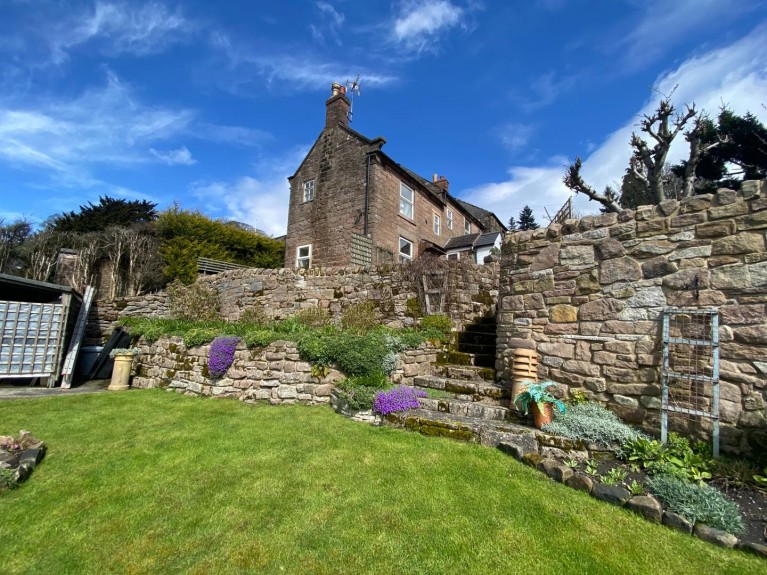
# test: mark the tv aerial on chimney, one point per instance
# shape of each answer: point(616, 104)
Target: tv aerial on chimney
point(352, 88)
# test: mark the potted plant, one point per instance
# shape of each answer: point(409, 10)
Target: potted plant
point(538, 401)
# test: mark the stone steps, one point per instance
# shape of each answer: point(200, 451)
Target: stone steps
point(473, 390)
point(466, 372)
point(468, 408)
point(508, 435)
point(462, 358)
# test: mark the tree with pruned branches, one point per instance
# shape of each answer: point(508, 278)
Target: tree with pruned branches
point(647, 167)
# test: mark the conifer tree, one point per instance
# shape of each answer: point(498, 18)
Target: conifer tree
point(527, 220)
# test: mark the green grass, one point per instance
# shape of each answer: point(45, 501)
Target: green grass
point(152, 482)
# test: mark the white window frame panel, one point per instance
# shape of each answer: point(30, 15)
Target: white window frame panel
point(308, 189)
point(406, 205)
point(403, 257)
point(436, 224)
point(449, 219)
point(466, 226)
point(307, 259)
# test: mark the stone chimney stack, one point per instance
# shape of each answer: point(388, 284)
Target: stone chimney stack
point(337, 106)
point(441, 181)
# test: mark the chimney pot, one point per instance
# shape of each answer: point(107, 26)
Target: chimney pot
point(337, 107)
point(434, 178)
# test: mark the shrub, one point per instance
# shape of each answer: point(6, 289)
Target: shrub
point(592, 423)
point(196, 302)
point(254, 315)
point(259, 337)
point(397, 399)
point(8, 479)
point(359, 392)
point(360, 317)
point(313, 317)
point(698, 503)
point(677, 458)
point(437, 322)
point(200, 336)
point(221, 355)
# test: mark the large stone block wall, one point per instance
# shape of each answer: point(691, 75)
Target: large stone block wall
point(589, 295)
point(274, 374)
point(281, 293)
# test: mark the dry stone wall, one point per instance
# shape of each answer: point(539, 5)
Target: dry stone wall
point(589, 295)
point(281, 293)
point(274, 374)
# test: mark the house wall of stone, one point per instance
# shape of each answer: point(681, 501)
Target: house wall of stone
point(589, 295)
point(281, 293)
point(336, 163)
point(274, 374)
point(387, 224)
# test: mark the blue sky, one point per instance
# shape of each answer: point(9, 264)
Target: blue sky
point(213, 104)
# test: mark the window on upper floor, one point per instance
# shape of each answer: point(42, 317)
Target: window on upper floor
point(304, 256)
point(449, 222)
point(437, 224)
point(405, 250)
point(406, 198)
point(308, 190)
point(466, 226)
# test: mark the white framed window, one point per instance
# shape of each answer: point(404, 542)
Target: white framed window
point(406, 198)
point(454, 256)
point(308, 190)
point(466, 226)
point(304, 256)
point(449, 222)
point(405, 250)
point(437, 224)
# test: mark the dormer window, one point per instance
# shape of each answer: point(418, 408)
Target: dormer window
point(406, 198)
point(308, 190)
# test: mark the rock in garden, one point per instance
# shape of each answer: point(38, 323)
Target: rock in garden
point(26, 439)
point(647, 506)
point(754, 548)
point(676, 521)
point(580, 482)
point(611, 493)
point(715, 536)
point(33, 455)
point(555, 470)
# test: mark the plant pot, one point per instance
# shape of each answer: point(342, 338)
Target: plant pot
point(121, 372)
point(541, 418)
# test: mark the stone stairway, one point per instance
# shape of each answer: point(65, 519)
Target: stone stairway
point(474, 408)
point(474, 346)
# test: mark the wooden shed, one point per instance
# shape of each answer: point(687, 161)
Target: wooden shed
point(37, 320)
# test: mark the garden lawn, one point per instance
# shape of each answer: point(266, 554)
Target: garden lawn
point(153, 482)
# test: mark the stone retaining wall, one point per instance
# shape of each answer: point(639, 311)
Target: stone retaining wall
point(588, 295)
point(274, 373)
point(281, 293)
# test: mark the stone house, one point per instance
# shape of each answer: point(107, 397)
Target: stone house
point(350, 203)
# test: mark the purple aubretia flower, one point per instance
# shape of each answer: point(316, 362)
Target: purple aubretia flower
point(221, 355)
point(397, 399)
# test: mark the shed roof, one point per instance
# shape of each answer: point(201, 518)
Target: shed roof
point(14, 288)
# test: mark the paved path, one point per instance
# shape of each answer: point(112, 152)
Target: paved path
point(17, 391)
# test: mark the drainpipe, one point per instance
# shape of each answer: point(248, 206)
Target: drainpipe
point(367, 192)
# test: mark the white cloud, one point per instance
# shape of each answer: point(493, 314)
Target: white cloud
point(105, 125)
point(514, 137)
point(131, 28)
point(246, 67)
point(235, 135)
point(260, 200)
point(735, 74)
point(180, 157)
point(420, 22)
point(330, 23)
point(542, 91)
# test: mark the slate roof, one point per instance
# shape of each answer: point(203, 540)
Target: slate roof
point(472, 241)
point(487, 218)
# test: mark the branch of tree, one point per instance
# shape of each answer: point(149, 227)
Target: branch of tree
point(574, 181)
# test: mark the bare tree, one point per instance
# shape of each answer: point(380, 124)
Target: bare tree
point(144, 265)
point(648, 161)
point(12, 236)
